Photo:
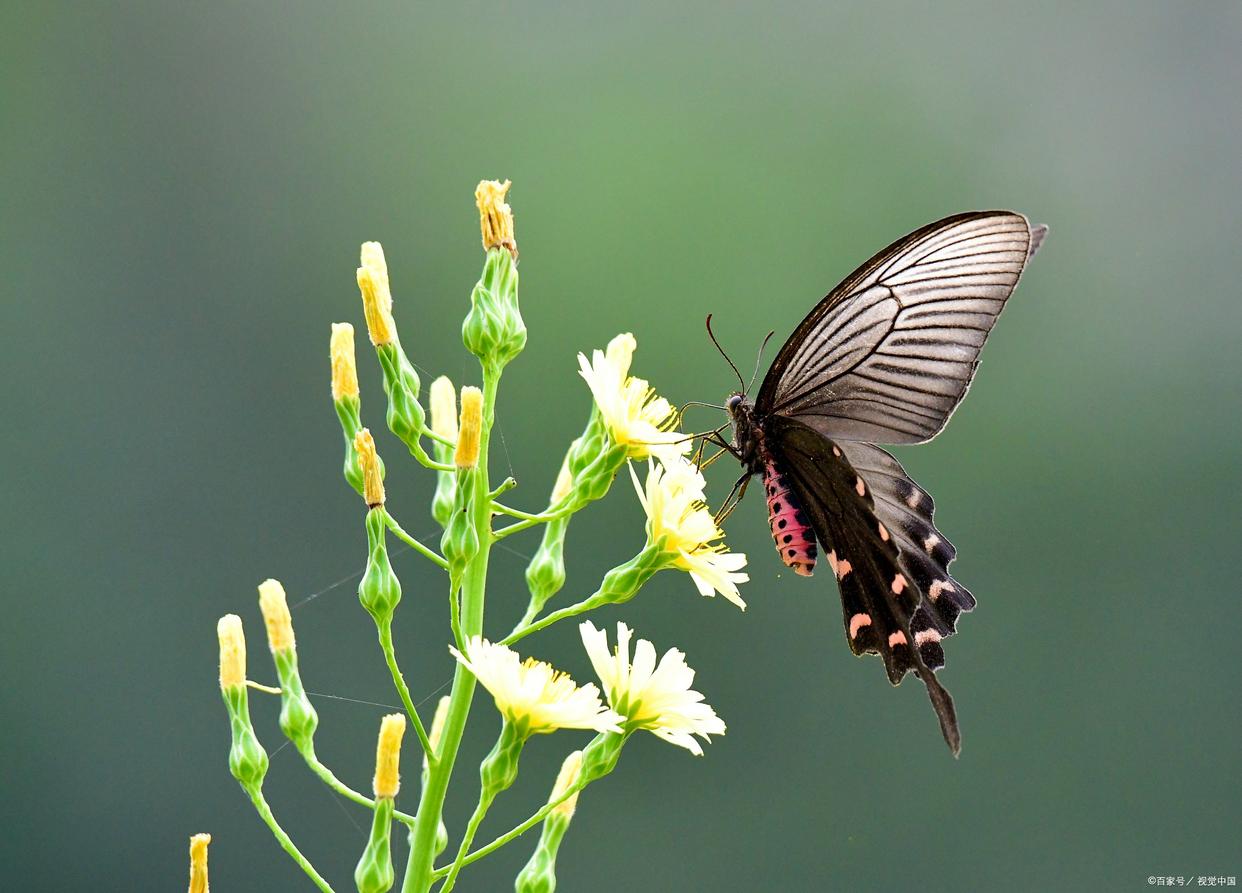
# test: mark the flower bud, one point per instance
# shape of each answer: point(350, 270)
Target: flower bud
point(380, 590)
point(198, 863)
point(346, 400)
point(499, 769)
point(467, 455)
point(388, 756)
point(545, 575)
point(564, 483)
point(444, 423)
point(298, 718)
point(374, 872)
point(344, 366)
point(247, 758)
point(232, 651)
point(376, 294)
point(601, 755)
point(368, 461)
point(460, 541)
point(539, 874)
point(275, 608)
point(493, 330)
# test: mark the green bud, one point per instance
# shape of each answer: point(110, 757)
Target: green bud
point(499, 768)
point(446, 487)
point(460, 541)
point(601, 755)
point(406, 417)
point(247, 758)
point(298, 719)
point(539, 874)
point(545, 575)
point(374, 872)
point(623, 582)
point(493, 330)
point(380, 590)
point(348, 411)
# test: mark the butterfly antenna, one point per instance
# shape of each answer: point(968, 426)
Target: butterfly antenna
point(712, 335)
point(758, 360)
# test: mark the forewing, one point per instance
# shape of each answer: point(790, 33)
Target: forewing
point(888, 355)
point(881, 606)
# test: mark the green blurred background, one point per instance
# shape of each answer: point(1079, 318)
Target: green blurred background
point(185, 187)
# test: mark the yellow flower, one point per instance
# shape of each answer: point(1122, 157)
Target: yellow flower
point(656, 698)
point(533, 695)
point(635, 416)
point(679, 522)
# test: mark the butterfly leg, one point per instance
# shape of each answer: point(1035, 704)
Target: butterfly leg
point(734, 499)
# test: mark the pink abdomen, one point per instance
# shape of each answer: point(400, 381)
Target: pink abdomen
point(795, 541)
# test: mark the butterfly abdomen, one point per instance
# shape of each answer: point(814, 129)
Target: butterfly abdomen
point(795, 542)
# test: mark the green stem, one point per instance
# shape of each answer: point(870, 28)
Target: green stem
point(328, 777)
point(390, 655)
point(418, 547)
point(513, 834)
point(265, 813)
point(431, 435)
point(472, 828)
point(455, 613)
point(474, 585)
point(525, 628)
point(528, 519)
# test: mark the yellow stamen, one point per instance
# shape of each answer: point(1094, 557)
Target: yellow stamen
point(388, 756)
point(376, 295)
point(372, 483)
point(495, 216)
point(444, 408)
point(565, 779)
point(198, 863)
point(467, 455)
point(275, 610)
point(232, 651)
point(344, 369)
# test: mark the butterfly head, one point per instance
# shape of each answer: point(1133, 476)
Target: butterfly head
point(746, 434)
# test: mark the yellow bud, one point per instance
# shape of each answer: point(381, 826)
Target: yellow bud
point(372, 482)
point(376, 295)
point(275, 610)
point(344, 369)
point(198, 863)
point(444, 408)
point(437, 726)
point(564, 483)
point(232, 651)
point(471, 423)
point(565, 779)
point(388, 756)
point(495, 216)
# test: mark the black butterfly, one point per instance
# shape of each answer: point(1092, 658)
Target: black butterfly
point(885, 358)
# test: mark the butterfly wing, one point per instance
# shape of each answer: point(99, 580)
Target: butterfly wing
point(885, 609)
point(888, 355)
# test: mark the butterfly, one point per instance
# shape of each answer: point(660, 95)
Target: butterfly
point(885, 358)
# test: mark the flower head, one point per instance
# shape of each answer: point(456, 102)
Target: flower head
point(532, 693)
point(495, 216)
point(372, 474)
point(637, 419)
point(656, 698)
point(376, 294)
point(444, 408)
point(469, 431)
point(679, 522)
point(232, 651)
point(275, 608)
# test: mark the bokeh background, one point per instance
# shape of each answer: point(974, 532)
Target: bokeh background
point(185, 187)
